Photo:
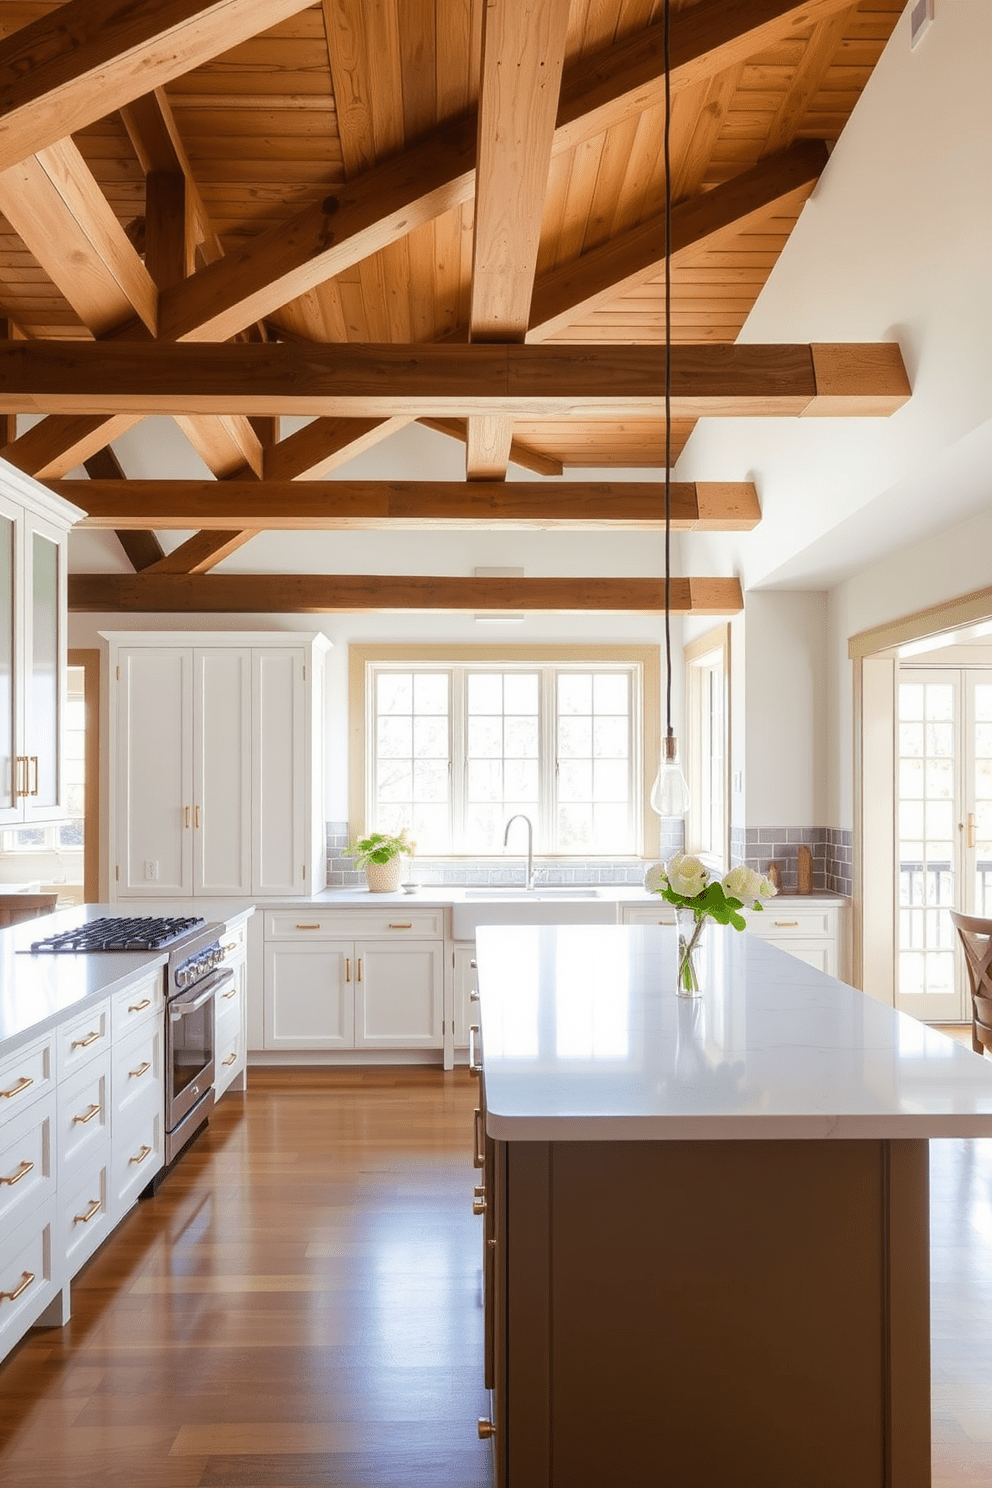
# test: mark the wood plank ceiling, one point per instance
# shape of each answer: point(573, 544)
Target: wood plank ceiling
point(404, 178)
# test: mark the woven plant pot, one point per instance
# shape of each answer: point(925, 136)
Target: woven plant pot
point(384, 878)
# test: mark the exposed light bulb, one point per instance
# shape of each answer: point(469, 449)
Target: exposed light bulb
point(670, 793)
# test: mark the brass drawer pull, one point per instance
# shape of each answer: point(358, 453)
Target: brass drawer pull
point(478, 1140)
point(27, 1277)
point(34, 761)
point(233, 993)
point(138, 1007)
point(474, 1064)
point(90, 1038)
point(230, 1059)
point(187, 817)
point(22, 1084)
point(358, 969)
point(139, 1157)
point(787, 924)
point(22, 1172)
point(485, 1428)
point(478, 1206)
point(347, 968)
point(232, 945)
point(407, 926)
point(95, 1206)
point(142, 1069)
point(21, 779)
point(196, 817)
point(308, 927)
point(94, 1110)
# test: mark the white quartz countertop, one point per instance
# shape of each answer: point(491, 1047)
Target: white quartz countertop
point(585, 1039)
point(38, 991)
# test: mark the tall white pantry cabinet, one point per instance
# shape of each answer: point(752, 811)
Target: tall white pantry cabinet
point(215, 763)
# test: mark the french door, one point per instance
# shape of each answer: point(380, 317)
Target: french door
point(943, 831)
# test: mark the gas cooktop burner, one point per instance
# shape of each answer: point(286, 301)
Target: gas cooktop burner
point(144, 933)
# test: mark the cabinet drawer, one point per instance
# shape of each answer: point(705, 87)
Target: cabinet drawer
point(84, 1217)
point(83, 1115)
point(228, 1007)
point(82, 1038)
point(648, 914)
point(139, 1151)
point(27, 1283)
point(784, 924)
point(230, 1056)
point(137, 1066)
point(346, 924)
point(234, 941)
point(138, 1004)
point(26, 1075)
point(27, 1163)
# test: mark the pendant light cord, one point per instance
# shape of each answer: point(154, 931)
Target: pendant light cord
point(666, 30)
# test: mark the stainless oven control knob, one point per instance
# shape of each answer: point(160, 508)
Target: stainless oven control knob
point(182, 977)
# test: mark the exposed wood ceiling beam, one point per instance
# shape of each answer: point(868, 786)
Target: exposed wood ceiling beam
point(88, 57)
point(392, 199)
point(152, 129)
point(523, 53)
point(201, 552)
point(54, 204)
point(343, 504)
point(56, 445)
point(325, 445)
point(602, 275)
point(706, 39)
point(330, 593)
point(520, 454)
point(384, 381)
point(141, 547)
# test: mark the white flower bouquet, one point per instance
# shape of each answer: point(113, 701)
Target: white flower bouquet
point(685, 882)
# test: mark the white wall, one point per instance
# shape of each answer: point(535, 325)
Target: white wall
point(896, 243)
point(785, 715)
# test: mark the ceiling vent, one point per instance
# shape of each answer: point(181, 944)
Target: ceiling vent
point(920, 21)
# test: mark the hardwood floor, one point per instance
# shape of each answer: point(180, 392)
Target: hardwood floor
point(299, 1307)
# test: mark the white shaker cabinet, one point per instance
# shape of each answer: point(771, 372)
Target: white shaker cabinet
point(33, 577)
point(215, 751)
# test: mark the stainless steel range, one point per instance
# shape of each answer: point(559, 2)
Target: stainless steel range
point(194, 975)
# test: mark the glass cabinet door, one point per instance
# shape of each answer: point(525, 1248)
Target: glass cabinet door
point(44, 690)
point(11, 767)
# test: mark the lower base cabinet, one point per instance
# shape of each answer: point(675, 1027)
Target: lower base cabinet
point(383, 990)
point(76, 1154)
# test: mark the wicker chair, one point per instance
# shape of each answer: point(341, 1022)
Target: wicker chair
point(976, 941)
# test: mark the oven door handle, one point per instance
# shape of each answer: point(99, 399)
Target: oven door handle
point(179, 1007)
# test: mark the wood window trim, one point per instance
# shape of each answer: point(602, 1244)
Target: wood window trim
point(648, 658)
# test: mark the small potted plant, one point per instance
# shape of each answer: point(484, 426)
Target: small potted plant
point(381, 855)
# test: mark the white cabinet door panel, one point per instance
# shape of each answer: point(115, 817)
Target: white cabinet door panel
point(155, 836)
point(279, 764)
point(398, 996)
point(222, 772)
point(309, 1000)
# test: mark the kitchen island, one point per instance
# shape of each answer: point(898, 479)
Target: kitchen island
point(707, 1255)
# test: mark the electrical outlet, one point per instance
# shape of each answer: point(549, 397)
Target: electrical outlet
point(151, 868)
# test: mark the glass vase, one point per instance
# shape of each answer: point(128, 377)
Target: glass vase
point(691, 960)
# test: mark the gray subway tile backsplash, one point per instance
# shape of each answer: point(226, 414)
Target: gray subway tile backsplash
point(832, 849)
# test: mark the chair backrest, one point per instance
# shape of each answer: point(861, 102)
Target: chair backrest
point(976, 941)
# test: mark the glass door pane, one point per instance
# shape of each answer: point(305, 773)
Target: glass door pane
point(928, 811)
point(9, 804)
point(978, 806)
point(44, 701)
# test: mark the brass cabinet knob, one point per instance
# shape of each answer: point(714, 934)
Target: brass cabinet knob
point(478, 1206)
point(479, 1191)
point(486, 1429)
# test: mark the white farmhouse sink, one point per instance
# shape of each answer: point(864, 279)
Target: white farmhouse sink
point(549, 905)
point(546, 891)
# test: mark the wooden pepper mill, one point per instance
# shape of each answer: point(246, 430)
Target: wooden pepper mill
point(804, 871)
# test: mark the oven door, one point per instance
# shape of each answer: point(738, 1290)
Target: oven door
point(191, 1046)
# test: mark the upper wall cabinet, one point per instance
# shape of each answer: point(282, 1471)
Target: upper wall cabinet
point(34, 528)
point(215, 757)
